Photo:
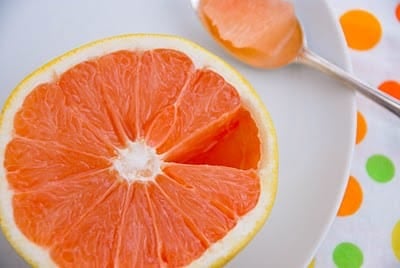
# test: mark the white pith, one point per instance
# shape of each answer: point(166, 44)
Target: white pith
point(137, 162)
point(267, 167)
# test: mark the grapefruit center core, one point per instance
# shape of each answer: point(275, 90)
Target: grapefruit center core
point(137, 162)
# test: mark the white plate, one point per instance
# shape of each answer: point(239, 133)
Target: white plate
point(314, 115)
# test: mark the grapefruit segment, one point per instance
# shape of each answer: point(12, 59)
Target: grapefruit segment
point(164, 74)
point(203, 139)
point(90, 241)
point(237, 189)
point(117, 80)
point(47, 214)
point(79, 87)
point(47, 117)
point(262, 33)
point(157, 131)
point(207, 98)
point(138, 242)
point(25, 160)
point(248, 25)
point(214, 223)
point(179, 243)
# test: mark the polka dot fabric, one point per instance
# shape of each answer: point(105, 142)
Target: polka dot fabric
point(366, 231)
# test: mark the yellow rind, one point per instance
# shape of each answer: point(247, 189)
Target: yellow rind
point(272, 134)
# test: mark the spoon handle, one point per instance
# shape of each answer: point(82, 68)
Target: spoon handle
point(311, 59)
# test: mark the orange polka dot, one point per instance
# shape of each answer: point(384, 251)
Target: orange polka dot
point(352, 198)
point(361, 29)
point(361, 127)
point(398, 12)
point(391, 87)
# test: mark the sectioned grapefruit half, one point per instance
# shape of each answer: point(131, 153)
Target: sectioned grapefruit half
point(135, 151)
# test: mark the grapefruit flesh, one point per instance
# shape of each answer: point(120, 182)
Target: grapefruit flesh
point(262, 33)
point(136, 158)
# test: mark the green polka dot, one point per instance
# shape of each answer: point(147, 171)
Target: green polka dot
point(380, 168)
point(347, 255)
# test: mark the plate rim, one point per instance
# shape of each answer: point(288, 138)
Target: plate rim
point(347, 66)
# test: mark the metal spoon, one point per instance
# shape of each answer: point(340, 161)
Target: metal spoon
point(309, 58)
